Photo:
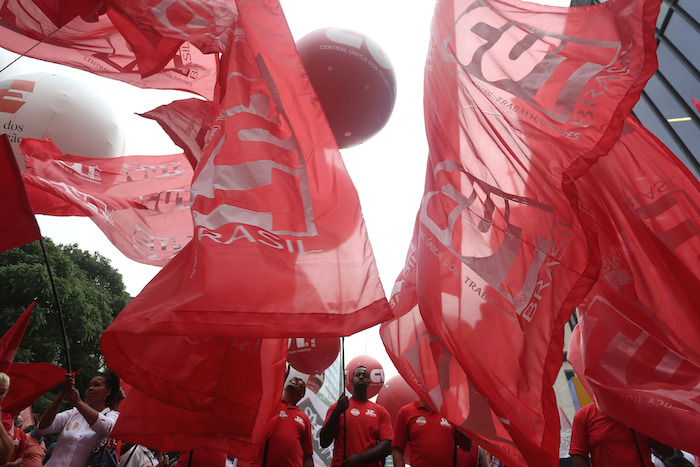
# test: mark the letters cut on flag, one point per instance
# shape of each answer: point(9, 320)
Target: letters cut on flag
point(19, 223)
point(141, 203)
point(520, 100)
point(279, 249)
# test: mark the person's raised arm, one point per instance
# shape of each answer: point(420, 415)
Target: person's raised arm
point(91, 415)
point(579, 460)
point(47, 418)
point(308, 460)
point(330, 427)
point(378, 452)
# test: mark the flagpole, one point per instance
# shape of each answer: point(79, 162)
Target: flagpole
point(58, 305)
point(342, 392)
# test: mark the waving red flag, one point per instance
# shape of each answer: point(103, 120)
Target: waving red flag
point(280, 247)
point(520, 100)
point(640, 324)
point(28, 381)
point(18, 217)
point(120, 45)
point(140, 202)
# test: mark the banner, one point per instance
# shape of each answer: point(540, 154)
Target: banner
point(18, 218)
point(141, 203)
point(126, 45)
point(520, 100)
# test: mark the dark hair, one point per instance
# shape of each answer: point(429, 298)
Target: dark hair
point(112, 382)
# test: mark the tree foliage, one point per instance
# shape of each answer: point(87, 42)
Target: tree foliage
point(91, 294)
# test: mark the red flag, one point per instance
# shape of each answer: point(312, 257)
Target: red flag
point(280, 247)
point(12, 337)
point(187, 122)
point(520, 99)
point(640, 324)
point(28, 382)
point(231, 389)
point(140, 202)
point(18, 218)
point(117, 45)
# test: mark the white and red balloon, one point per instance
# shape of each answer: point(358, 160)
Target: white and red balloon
point(77, 118)
point(312, 355)
point(354, 80)
point(376, 374)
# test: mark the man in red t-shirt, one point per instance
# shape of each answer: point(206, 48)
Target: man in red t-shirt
point(432, 439)
point(609, 442)
point(289, 444)
point(360, 429)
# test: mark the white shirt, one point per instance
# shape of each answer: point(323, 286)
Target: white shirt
point(77, 438)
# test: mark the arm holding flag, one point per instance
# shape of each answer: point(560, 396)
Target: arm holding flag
point(47, 419)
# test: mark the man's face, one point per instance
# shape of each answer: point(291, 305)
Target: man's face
point(360, 377)
point(297, 387)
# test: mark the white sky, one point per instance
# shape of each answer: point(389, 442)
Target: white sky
point(388, 170)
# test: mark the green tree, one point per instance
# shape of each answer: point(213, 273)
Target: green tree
point(91, 293)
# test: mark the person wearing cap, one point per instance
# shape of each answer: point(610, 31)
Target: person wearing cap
point(360, 429)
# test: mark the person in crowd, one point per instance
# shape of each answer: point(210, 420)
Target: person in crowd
point(431, 438)
point(12, 441)
point(135, 455)
point(33, 455)
point(609, 442)
point(289, 444)
point(362, 438)
point(87, 424)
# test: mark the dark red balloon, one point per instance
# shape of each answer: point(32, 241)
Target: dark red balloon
point(312, 355)
point(395, 394)
point(354, 80)
point(376, 374)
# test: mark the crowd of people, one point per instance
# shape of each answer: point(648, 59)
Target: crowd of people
point(360, 430)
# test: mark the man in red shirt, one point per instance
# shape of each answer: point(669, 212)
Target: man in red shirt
point(360, 429)
point(432, 439)
point(289, 443)
point(609, 442)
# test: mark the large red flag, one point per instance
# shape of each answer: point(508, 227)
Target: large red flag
point(140, 202)
point(640, 324)
point(12, 337)
point(520, 99)
point(18, 218)
point(280, 247)
point(232, 388)
point(123, 44)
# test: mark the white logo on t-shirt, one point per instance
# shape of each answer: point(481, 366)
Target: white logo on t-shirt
point(421, 421)
point(300, 420)
point(354, 411)
point(283, 414)
point(371, 413)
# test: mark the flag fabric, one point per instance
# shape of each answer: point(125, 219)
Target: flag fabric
point(12, 337)
point(20, 226)
point(280, 248)
point(118, 44)
point(232, 389)
point(28, 381)
point(520, 100)
point(640, 324)
point(187, 122)
point(141, 203)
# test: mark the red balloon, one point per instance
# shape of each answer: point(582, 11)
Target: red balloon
point(395, 394)
point(353, 79)
point(312, 355)
point(376, 374)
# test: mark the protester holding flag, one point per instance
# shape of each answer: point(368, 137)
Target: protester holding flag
point(609, 442)
point(364, 438)
point(85, 425)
